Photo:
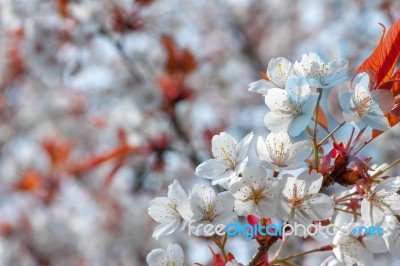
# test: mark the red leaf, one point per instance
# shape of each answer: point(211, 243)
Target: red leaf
point(322, 121)
point(264, 75)
point(393, 84)
point(392, 118)
point(381, 63)
point(179, 60)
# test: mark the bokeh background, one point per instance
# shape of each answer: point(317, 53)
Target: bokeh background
point(103, 103)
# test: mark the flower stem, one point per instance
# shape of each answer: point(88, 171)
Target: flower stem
point(345, 197)
point(339, 209)
point(284, 260)
point(280, 247)
point(378, 173)
point(314, 137)
point(221, 245)
point(331, 133)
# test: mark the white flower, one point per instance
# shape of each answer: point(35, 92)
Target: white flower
point(279, 69)
point(349, 251)
point(322, 75)
point(281, 153)
point(173, 256)
point(383, 200)
point(332, 261)
point(300, 201)
point(230, 158)
point(366, 108)
point(210, 208)
point(165, 210)
point(291, 109)
point(256, 192)
point(392, 235)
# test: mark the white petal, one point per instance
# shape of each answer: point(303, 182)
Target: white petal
point(350, 251)
point(262, 150)
point(157, 257)
point(161, 210)
point(312, 180)
point(298, 125)
point(185, 210)
point(224, 201)
point(319, 207)
point(210, 169)
point(278, 71)
point(299, 152)
point(176, 192)
point(390, 184)
point(200, 198)
point(379, 122)
point(277, 100)
point(166, 229)
point(266, 208)
point(261, 86)
point(244, 207)
point(243, 147)
point(175, 254)
point(277, 123)
point(224, 148)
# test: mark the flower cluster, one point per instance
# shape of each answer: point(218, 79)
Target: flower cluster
point(297, 161)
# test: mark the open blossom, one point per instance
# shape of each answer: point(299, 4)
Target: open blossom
point(300, 201)
point(348, 250)
point(173, 256)
point(209, 208)
point(366, 108)
point(165, 210)
point(230, 158)
point(392, 235)
point(382, 201)
point(281, 153)
point(321, 75)
point(292, 108)
point(279, 69)
point(256, 192)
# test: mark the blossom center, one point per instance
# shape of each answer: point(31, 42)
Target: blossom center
point(364, 104)
point(228, 159)
point(208, 212)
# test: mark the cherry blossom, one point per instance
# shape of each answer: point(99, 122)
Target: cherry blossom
point(165, 210)
point(366, 108)
point(383, 200)
point(279, 69)
point(291, 109)
point(173, 256)
point(392, 235)
point(209, 208)
point(256, 192)
point(301, 201)
point(350, 251)
point(280, 153)
point(321, 75)
point(230, 158)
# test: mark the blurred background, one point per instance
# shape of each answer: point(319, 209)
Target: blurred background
point(103, 103)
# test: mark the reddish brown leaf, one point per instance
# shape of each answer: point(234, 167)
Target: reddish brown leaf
point(392, 118)
point(393, 84)
point(264, 75)
point(178, 60)
point(381, 63)
point(322, 121)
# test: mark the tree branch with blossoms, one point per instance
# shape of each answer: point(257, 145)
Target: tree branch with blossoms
point(288, 181)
